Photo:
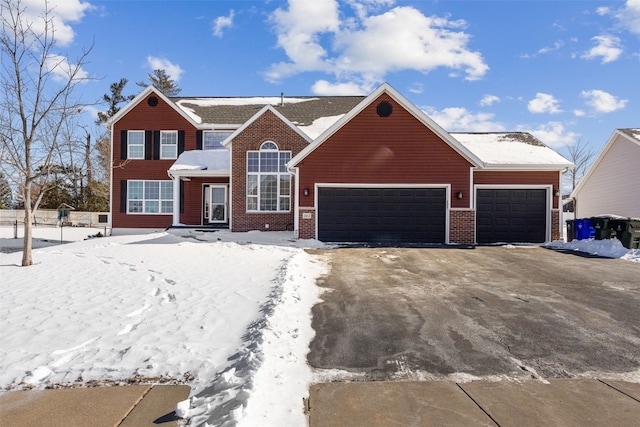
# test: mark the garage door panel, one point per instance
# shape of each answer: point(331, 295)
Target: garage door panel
point(511, 215)
point(382, 215)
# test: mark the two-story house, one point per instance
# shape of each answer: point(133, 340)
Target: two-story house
point(370, 169)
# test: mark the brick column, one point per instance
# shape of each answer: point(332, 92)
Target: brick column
point(462, 226)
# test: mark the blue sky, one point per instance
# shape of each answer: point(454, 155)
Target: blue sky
point(563, 70)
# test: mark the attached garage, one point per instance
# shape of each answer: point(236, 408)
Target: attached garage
point(382, 215)
point(511, 215)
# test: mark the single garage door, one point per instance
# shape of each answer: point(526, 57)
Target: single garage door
point(382, 215)
point(511, 216)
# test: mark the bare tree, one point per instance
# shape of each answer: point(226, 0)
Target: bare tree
point(37, 107)
point(580, 155)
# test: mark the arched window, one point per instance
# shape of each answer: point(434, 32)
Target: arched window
point(268, 181)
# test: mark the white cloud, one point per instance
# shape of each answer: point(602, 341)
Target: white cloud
point(556, 46)
point(607, 47)
point(458, 119)
point(62, 70)
point(603, 10)
point(629, 16)
point(416, 88)
point(367, 47)
point(552, 134)
point(222, 22)
point(543, 103)
point(325, 88)
point(62, 13)
point(488, 100)
point(173, 70)
point(603, 102)
point(579, 113)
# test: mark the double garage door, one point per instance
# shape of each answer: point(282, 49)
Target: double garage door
point(382, 215)
point(418, 215)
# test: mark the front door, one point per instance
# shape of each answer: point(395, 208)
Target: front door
point(216, 204)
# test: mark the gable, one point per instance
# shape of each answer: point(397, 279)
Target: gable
point(619, 158)
point(397, 148)
point(401, 104)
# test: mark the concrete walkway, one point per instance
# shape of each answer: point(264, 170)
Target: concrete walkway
point(130, 406)
point(561, 402)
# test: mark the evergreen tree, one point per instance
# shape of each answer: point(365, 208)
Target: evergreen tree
point(6, 195)
point(113, 100)
point(163, 82)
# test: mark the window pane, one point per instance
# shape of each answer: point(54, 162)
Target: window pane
point(166, 190)
point(252, 161)
point(212, 140)
point(284, 158)
point(169, 152)
point(268, 146)
point(269, 162)
point(285, 185)
point(152, 190)
point(284, 203)
point(134, 189)
point(268, 193)
point(151, 207)
point(135, 206)
point(252, 185)
point(135, 144)
point(166, 206)
point(252, 203)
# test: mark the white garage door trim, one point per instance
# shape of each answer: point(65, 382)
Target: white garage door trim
point(549, 199)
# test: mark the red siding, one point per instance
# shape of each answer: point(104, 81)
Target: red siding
point(398, 149)
point(193, 199)
point(145, 117)
point(267, 127)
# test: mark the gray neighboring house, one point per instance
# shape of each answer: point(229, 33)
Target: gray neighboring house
point(611, 185)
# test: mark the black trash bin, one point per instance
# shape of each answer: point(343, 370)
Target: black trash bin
point(571, 230)
point(602, 226)
point(627, 231)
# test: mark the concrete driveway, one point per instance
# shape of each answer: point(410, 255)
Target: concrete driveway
point(489, 311)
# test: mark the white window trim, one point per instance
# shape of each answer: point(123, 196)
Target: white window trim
point(145, 200)
point(129, 156)
point(259, 174)
point(162, 145)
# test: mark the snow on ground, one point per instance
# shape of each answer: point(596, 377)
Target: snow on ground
point(227, 313)
point(608, 248)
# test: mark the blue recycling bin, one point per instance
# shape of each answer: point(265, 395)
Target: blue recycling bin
point(584, 229)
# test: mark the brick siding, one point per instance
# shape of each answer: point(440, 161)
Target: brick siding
point(462, 225)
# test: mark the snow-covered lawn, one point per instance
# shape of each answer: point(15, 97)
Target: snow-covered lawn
point(228, 313)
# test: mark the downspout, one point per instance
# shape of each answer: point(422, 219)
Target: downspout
point(296, 203)
point(176, 199)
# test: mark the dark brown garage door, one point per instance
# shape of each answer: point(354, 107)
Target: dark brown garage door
point(382, 215)
point(511, 216)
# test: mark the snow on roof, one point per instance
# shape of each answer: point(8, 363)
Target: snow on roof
point(633, 133)
point(510, 149)
point(255, 100)
point(210, 160)
point(319, 125)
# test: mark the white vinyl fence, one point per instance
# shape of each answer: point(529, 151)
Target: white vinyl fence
point(51, 217)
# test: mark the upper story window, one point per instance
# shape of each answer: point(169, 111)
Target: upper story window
point(168, 144)
point(268, 181)
point(135, 144)
point(212, 139)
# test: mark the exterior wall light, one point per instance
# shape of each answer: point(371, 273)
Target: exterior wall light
point(556, 192)
point(305, 191)
point(459, 194)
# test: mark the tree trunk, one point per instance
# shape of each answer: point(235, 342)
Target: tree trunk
point(27, 246)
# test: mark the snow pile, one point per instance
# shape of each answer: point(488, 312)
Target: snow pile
point(608, 248)
point(230, 319)
point(209, 160)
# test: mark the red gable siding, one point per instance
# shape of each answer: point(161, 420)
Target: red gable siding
point(145, 117)
point(398, 149)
